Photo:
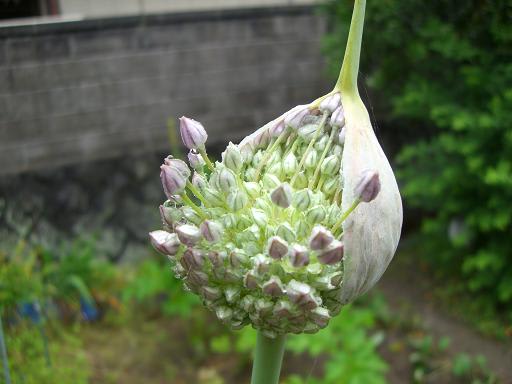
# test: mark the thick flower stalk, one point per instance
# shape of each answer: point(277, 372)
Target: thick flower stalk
point(298, 219)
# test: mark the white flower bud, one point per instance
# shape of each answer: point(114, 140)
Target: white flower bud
point(237, 200)
point(170, 215)
point(330, 103)
point(330, 186)
point(259, 217)
point(302, 199)
point(338, 117)
point(188, 234)
point(320, 238)
point(212, 196)
point(290, 164)
point(277, 128)
point(211, 231)
point(300, 294)
point(164, 242)
point(232, 294)
point(282, 195)
point(285, 231)
point(307, 132)
point(341, 136)
point(332, 254)
point(299, 256)
point(311, 160)
point(316, 214)
point(191, 215)
point(224, 314)
point(282, 309)
point(320, 316)
point(330, 165)
point(253, 189)
point(368, 186)
point(277, 247)
point(226, 180)
point(199, 181)
point(270, 181)
point(232, 157)
point(301, 228)
point(195, 160)
point(301, 181)
point(193, 133)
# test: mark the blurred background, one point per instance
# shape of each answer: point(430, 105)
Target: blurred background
point(90, 92)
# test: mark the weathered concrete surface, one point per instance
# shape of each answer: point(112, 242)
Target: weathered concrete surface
point(78, 91)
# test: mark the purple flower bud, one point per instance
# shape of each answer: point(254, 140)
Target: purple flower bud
point(199, 181)
point(261, 263)
point(299, 256)
point(193, 133)
point(262, 139)
point(277, 247)
point(217, 258)
point(237, 257)
point(211, 293)
point(320, 238)
point(282, 309)
point(277, 128)
point(273, 287)
point(173, 181)
point(197, 278)
point(298, 292)
point(320, 316)
point(282, 195)
point(211, 231)
point(250, 280)
point(332, 254)
point(330, 103)
point(178, 165)
point(164, 242)
point(295, 118)
point(188, 234)
point(368, 186)
point(338, 117)
point(192, 259)
point(195, 160)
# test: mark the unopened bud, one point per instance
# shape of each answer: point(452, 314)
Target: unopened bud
point(320, 316)
point(237, 199)
point(277, 129)
point(285, 231)
point(251, 280)
point(290, 164)
point(330, 186)
point(232, 158)
point(193, 133)
point(295, 118)
point(316, 214)
point(224, 313)
point(270, 181)
point(311, 160)
point(332, 254)
point(320, 238)
point(188, 234)
point(211, 231)
point(237, 257)
point(164, 242)
point(191, 215)
point(301, 181)
point(259, 217)
point(297, 292)
point(192, 259)
point(173, 181)
point(341, 136)
point(277, 247)
point(302, 199)
point(178, 165)
point(299, 256)
point(330, 103)
point(330, 165)
point(307, 131)
point(252, 188)
point(211, 293)
point(226, 180)
point(273, 287)
point(282, 195)
point(170, 215)
point(261, 263)
point(338, 117)
point(199, 181)
point(282, 309)
point(368, 186)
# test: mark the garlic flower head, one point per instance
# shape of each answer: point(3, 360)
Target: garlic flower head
point(298, 219)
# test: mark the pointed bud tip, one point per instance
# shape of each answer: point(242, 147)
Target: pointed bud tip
point(192, 132)
point(368, 186)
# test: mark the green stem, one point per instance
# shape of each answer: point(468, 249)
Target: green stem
point(347, 81)
point(269, 152)
point(192, 205)
point(267, 359)
point(203, 153)
point(345, 215)
point(3, 351)
point(197, 194)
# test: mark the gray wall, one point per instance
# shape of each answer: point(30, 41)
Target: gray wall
point(79, 91)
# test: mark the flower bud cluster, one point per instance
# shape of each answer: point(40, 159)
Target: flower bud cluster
point(253, 235)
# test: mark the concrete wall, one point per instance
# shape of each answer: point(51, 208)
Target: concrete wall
point(79, 91)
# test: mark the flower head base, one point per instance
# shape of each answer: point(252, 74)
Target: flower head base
point(261, 234)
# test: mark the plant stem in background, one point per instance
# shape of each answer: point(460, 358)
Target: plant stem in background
point(3, 350)
point(268, 357)
point(347, 81)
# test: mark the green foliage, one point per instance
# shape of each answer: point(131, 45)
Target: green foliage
point(27, 359)
point(154, 280)
point(445, 68)
point(349, 349)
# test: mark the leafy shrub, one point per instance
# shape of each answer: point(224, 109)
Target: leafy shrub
point(445, 68)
